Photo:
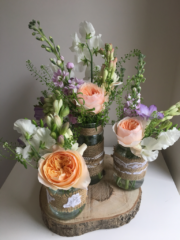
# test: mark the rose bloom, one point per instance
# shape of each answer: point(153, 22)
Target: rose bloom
point(93, 96)
point(129, 131)
point(63, 169)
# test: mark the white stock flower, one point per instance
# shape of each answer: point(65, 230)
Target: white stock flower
point(24, 152)
point(25, 126)
point(86, 28)
point(115, 78)
point(43, 135)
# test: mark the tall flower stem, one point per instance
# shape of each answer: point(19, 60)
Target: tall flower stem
point(91, 62)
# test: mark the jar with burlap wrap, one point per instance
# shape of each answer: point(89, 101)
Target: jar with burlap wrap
point(93, 137)
point(129, 170)
point(66, 204)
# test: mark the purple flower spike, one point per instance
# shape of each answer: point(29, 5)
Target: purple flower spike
point(149, 113)
point(39, 114)
point(59, 77)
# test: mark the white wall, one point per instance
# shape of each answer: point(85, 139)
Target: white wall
point(149, 25)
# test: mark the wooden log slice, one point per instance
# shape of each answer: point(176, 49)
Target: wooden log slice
point(107, 207)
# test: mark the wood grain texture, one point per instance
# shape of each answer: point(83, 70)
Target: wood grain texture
point(107, 207)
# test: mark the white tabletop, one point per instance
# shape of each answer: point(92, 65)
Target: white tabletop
point(157, 219)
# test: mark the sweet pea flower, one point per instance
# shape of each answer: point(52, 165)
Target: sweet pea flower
point(86, 28)
point(25, 152)
point(147, 113)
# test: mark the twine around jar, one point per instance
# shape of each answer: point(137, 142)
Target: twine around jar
point(94, 158)
point(129, 169)
point(57, 201)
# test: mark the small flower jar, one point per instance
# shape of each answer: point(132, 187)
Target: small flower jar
point(129, 170)
point(66, 204)
point(93, 137)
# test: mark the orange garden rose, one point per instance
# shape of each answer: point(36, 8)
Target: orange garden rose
point(63, 169)
point(129, 131)
point(93, 96)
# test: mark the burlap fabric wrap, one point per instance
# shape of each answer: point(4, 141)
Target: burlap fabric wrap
point(129, 169)
point(57, 201)
point(94, 155)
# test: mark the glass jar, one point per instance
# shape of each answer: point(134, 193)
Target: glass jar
point(66, 204)
point(129, 170)
point(93, 136)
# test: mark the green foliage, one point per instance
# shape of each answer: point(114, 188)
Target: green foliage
point(43, 75)
point(131, 83)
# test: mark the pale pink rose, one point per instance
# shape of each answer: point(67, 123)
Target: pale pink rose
point(93, 96)
point(129, 131)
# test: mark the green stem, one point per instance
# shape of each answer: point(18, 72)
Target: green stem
point(91, 62)
point(48, 42)
point(18, 154)
point(118, 182)
point(133, 183)
point(126, 184)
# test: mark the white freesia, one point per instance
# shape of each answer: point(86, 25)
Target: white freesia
point(24, 127)
point(43, 135)
point(149, 146)
point(86, 28)
point(24, 152)
point(115, 79)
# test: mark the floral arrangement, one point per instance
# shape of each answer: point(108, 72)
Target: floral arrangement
point(142, 131)
point(88, 102)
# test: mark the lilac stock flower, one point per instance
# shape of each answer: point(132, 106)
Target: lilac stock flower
point(74, 85)
point(59, 77)
point(39, 114)
point(149, 113)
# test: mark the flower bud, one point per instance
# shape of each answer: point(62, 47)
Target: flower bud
point(48, 120)
point(70, 66)
point(101, 51)
point(111, 63)
point(58, 48)
point(51, 39)
point(48, 49)
point(58, 62)
point(64, 112)
point(53, 135)
point(69, 133)
point(62, 58)
point(112, 54)
point(105, 73)
point(57, 121)
point(110, 46)
point(56, 106)
point(52, 60)
point(178, 104)
point(47, 100)
point(64, 128)
point(60, 140)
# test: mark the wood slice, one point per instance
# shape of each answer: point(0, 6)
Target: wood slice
point(107, 207)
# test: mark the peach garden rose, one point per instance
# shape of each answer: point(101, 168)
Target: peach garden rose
point(129, 131)
point(63, 169)
point(93, 96)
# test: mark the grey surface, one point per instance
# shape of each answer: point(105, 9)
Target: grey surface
point(152, 26)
